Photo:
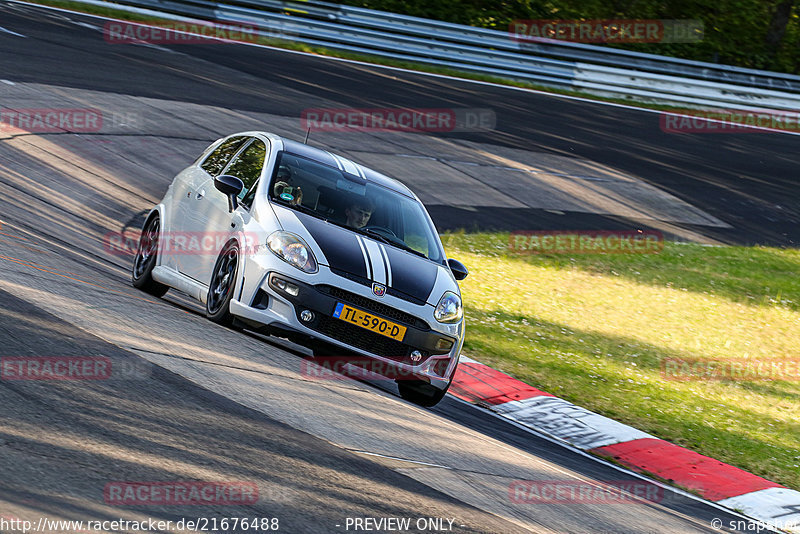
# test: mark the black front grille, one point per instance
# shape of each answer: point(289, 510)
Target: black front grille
point(364, 339)
point(355, 278)
point(374, 307)
point(367, 282)
point(395, 293)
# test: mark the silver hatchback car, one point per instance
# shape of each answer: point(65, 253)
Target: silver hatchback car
point(291, 240)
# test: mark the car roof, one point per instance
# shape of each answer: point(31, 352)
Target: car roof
point(345, 165)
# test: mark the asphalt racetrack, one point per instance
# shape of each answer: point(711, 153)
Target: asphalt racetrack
point(204, 403)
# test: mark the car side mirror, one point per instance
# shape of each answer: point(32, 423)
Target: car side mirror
point(231, 187)
point(459, 269)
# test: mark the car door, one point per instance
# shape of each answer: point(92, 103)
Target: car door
point(208, 222)
point(192, 188)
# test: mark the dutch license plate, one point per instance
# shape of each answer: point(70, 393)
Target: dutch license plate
point(369, 322)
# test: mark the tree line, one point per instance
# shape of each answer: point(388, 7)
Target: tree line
point(760, 34)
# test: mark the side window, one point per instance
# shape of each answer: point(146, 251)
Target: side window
point(247, 166)
point(217, 160)
point(246, 199)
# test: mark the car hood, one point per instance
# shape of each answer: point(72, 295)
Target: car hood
point(363, 259)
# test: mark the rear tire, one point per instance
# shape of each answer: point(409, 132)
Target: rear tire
point(421, 393)
point(146, 259)
point(223, 280)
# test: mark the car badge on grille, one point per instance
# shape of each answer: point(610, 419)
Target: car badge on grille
point(378, 289)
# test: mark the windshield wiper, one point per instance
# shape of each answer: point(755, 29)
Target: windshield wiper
point(399, 243)
point(372, 233)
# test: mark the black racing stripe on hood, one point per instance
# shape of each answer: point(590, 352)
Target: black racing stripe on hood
point(411, 274)
point(339, 245)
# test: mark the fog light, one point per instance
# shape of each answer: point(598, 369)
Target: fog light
point(287, 287)
point(444, 344)
point(292, 289)
point(416, 356)
point(306, 316)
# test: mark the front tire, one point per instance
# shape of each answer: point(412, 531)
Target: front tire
point(223, 280)
point(421, 393)
point(146, 258)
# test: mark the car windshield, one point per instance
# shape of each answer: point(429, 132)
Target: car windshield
point(328, 193)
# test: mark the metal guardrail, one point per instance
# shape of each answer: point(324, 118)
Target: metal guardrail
point(425, 28)
point(589, 68)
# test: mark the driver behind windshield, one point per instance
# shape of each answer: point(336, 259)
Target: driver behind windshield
point(358, 212)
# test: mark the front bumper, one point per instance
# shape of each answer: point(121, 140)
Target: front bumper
point(273, 306)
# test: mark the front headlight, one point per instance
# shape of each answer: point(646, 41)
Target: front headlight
point(449, 308)
point(293, 250)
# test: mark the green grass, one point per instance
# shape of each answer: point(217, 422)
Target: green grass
point(594, 329)
point(288, 44)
